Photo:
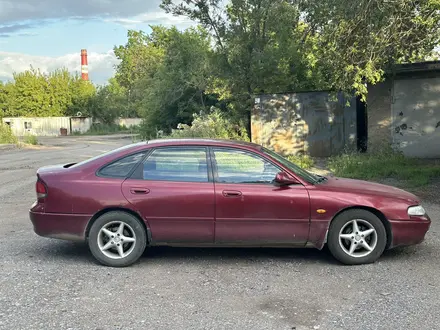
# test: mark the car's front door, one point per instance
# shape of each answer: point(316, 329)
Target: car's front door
point(250, 209)
point(173, 191)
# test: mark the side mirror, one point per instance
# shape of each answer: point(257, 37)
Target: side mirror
point(282, 179)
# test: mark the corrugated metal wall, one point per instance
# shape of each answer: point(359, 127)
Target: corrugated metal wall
point(50, 126)
point(40, 126)
point(304, 123)
point(415, 118)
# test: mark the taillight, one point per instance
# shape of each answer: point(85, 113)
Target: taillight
point(41, 190)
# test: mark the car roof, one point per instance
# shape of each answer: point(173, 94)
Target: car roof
point(207, 142)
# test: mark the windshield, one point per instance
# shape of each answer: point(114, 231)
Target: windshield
point(309, 177)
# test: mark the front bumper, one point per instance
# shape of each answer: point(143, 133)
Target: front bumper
point(409, 232)
point(70, 227)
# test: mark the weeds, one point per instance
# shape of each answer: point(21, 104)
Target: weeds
point(6, 135)
point(304, 161)
point(212, 125)
point(105, 129)
point(30, 139)
point(382, 164)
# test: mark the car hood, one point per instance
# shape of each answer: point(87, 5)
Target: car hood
point(370, 188)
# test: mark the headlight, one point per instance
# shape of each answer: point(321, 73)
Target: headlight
point(416, 210)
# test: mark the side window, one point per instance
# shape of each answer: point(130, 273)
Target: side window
point(122, 167)
point(177, 164)
point(236, 166)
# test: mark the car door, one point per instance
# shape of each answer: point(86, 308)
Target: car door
point(173, 190)
point(250, 209)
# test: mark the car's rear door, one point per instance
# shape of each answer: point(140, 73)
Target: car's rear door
point(250, 210)
point(173, 190)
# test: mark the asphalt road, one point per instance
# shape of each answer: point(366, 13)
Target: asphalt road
point(52, 284)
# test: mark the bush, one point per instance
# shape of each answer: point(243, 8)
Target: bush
point(303, 161)
point(30, 139)
point(382, 164)
point(104, 129)
point(213, 125)
point(6, 136)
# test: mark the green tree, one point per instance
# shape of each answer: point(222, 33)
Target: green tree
point(177, 89)
point(58, 87)
point(31, 95)
point(260, 48)
point(165, 75)
point(81, 92)
point(34, 94)
point(359, 40)
point(139, 59)
point(106, 105)
point(278, 45)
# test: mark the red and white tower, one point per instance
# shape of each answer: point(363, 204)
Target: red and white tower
point(84, 65)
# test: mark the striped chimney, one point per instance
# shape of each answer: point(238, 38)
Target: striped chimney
point(84, 65)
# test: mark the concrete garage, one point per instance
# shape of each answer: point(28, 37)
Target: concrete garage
point(405, 110)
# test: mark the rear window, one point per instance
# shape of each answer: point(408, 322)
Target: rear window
point(114, 151)
point(122, 167)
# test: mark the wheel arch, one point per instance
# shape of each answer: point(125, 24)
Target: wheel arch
point(120, 209)
point(373, 210)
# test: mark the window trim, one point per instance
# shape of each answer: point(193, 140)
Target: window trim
point(181, 147)
point(99, 174)
point(215, 169)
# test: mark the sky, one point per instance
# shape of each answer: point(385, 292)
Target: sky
point(49, 34)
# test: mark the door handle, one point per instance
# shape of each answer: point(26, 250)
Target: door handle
point(139, 191)
point(232, 193)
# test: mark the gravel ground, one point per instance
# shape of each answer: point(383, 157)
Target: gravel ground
point(51, 284)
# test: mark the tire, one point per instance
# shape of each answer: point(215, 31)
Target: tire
point(106, 240)
point(342, 240)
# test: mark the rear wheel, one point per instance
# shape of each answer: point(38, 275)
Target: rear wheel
point(117, 239)
point(357, 237)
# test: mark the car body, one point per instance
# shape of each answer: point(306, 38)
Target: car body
point(203, 192)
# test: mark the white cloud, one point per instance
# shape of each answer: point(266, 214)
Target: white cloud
point(12, 11)
point(101, 65)
point(153, 18)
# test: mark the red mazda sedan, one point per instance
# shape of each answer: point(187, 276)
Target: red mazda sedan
point(199, 192)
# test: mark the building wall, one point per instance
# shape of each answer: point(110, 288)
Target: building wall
point(80, 124)
point(404, 111)
point(40, 126)
point(415, 117)
point(50, 126)
point(304, 123)
point(379, 114)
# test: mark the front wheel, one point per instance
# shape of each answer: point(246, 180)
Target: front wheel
point(117, 239)
point(357, 237)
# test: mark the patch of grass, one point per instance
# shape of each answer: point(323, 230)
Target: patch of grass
point(30, 139)
point(384, 164)
point(304, 161)
point(6, 135)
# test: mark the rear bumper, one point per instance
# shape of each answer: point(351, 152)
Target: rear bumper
point(70, 227)
point(409, 232)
